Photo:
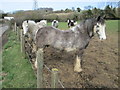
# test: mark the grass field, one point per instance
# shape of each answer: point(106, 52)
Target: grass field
point(62, 25)
point(18, 70)
point(111, 25)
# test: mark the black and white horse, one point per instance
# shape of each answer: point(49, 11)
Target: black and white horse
point(55, 23)
point(71, 23)
point(75, 39)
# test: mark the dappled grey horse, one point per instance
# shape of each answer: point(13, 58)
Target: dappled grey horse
point(75, 39)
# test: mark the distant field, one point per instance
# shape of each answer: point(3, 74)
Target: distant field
point(18, 70)
point(62, 25)
point(111, 25)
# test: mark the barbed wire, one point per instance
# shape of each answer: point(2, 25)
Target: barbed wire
point(61, 83)
point(51, 72)
point(47, 68)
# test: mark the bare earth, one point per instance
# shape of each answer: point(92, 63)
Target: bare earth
point(100, 65)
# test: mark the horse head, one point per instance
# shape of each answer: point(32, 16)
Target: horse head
point(25, 27)
point(100, 28)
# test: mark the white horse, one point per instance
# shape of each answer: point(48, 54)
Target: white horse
point(30, 27)
point(9, 18)
point(25, 27)
point(43, 22)
point(55, 23)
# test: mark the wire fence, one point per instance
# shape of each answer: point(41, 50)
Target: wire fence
point(23, 41)
point(51, 72)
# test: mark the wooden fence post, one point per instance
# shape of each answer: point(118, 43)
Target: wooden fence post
point(54, 78)
point(40, 63)
point(15, 27)
point(22, 41)
point(18, 34)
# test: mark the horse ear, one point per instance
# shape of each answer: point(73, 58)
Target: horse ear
point(104, 16)
point(27, 21)
point(98, 18)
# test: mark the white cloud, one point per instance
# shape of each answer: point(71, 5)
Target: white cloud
point(61, 0)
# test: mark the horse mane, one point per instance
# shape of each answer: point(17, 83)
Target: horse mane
point(85, 26)
point(89, 25)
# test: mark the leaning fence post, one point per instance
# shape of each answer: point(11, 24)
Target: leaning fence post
point(40, 63)
point(22, 41)
point(14, 27)
point(54, 78)
point(18, 33)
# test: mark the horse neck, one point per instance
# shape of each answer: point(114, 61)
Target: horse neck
point(89, 25)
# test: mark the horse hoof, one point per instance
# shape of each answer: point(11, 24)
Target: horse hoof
point(78, 70)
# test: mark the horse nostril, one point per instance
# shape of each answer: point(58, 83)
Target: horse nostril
point(103, 38)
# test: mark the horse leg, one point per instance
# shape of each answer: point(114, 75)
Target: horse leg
point(77, 66)
point(78, 61)
point(34, 48)
point(35, 64)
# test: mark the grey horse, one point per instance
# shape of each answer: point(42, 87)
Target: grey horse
point(74, 39)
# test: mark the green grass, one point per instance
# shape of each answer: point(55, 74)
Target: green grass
point(62, 25)
point(18, 69)
point(112, 25)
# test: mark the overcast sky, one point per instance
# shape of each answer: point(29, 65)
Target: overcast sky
point(14, 5)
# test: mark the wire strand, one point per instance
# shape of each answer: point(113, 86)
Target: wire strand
point(51, 72)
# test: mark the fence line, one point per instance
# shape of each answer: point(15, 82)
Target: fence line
point(51, 72)
point(18, 34)
point(40, 63)
point(15, 27)
point(47, 68)
point(39, 59)
point(22, 42)
point(54, 78)
point(31, 64)
point(29, 44)
point(61, 83)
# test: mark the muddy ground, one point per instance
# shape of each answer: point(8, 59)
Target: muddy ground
point(100, 65)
